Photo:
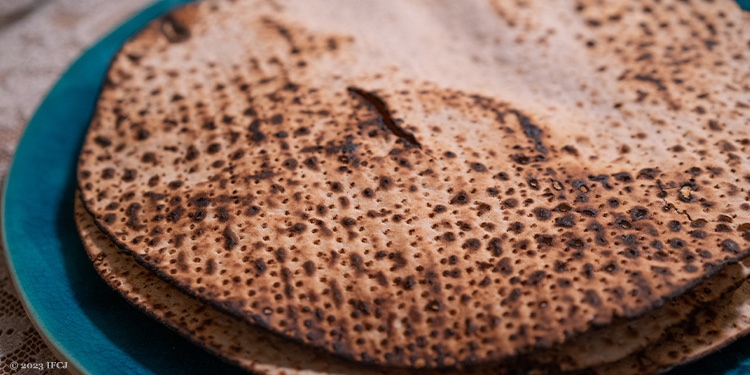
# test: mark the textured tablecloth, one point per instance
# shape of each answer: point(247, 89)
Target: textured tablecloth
point(38, 40)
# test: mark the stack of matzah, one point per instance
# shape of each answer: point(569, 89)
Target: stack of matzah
point(478, 187)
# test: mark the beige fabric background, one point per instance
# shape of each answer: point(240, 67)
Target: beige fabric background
point(38, 40)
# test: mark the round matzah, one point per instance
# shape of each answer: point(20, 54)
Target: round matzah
point(580, 183)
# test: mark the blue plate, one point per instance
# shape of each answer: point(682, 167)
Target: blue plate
point(86, 322)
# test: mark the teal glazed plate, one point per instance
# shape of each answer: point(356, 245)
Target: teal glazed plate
point(84, 321)
point(88, 324)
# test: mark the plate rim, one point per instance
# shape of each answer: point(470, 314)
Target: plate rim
point(131, 24)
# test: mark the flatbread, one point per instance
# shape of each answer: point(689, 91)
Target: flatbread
point(427, 184)
point(257, 351)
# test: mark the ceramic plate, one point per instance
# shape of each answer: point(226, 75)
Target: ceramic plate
point(87, 323)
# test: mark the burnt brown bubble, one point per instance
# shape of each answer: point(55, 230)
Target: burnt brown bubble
point(174, 30)
point(639, 213)
point(460, 198)
point(567, 221)
point(478, 167)
point(542, 213)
